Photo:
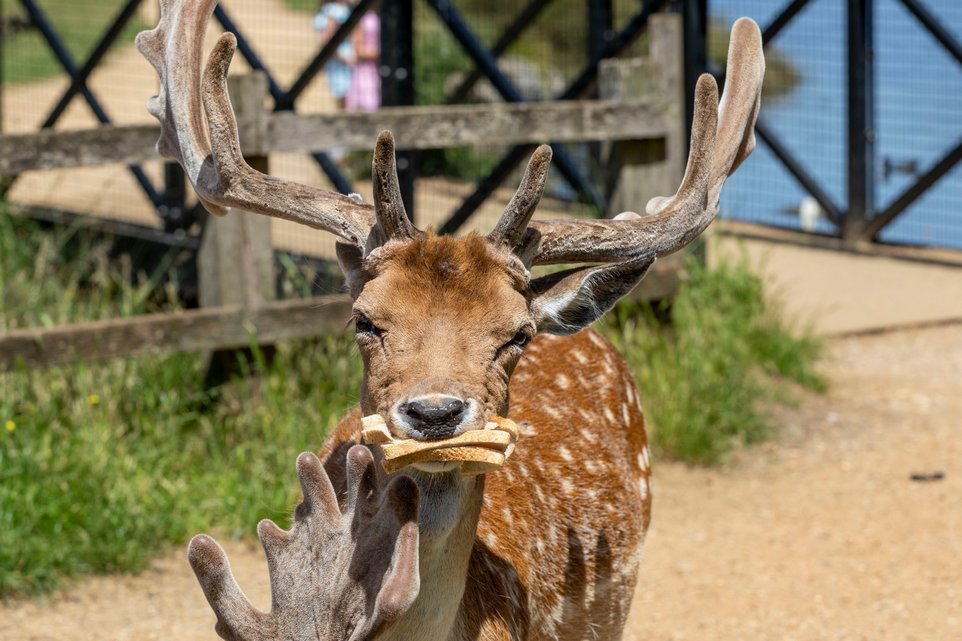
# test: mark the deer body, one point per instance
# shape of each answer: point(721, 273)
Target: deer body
point(548, 547)
point(454, 331)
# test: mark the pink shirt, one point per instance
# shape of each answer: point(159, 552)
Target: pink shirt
point(364, 93)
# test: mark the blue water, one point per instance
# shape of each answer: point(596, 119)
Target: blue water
point(918, 102)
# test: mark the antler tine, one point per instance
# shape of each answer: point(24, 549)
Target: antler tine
point(510, 229)
point(402, 581)
point(211, 157)
point(388, 205)
point(361, 478)
point(721, 139)
point(319, 495)
point(736, 113)
point(182, 134)
point(388, 516)
point(236, 616)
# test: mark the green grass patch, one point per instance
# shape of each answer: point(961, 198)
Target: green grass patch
point(104, 466)
point(81, 23)
point(710, 377)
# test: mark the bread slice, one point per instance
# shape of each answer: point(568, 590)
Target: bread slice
point(479, 451)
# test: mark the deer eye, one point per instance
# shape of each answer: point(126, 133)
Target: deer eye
point(363, 325)
point(519, 340)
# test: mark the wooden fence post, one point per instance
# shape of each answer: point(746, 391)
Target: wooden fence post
point(646, 167)
point(235, 263)
point(653, 166)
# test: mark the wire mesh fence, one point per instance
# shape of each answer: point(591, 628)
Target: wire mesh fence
point(919, 119)
point(547, 55)
point(917, 116)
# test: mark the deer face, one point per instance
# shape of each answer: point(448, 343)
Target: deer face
point(441, 323)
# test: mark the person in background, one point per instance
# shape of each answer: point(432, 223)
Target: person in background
point(364, 93)
point(330, 16)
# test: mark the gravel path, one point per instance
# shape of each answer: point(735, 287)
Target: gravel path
point(824, 535)
point(821, 535)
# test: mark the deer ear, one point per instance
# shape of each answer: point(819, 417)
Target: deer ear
point(350, 259)
point(568, 301)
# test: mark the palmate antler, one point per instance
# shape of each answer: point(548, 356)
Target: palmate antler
point(205, 142)
point(199, 131)
point(722, 137)
point(334, 576)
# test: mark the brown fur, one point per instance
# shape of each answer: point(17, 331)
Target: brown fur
point(446, 306)
point(553, 551)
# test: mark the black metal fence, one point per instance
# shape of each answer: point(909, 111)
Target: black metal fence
point(70, 63)
point(861, 129)
point(859, 136)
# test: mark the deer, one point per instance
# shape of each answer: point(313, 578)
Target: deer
point(454, 330)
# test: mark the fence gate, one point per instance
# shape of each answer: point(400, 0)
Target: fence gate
point(860, 131)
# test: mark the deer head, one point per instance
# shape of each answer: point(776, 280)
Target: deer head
point(334, 576)
point(441, 322)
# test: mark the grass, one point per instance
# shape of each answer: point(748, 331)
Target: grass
point(104, 466)
point(80, 23)
point(303, 5)
point(710, 378)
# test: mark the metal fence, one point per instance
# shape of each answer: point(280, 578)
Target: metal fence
point(855, 145)
point(862, 121)
point(71, 64)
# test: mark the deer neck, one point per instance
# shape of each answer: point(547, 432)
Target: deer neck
point(449, 511)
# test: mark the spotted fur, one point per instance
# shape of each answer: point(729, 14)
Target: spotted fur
point(548, 547)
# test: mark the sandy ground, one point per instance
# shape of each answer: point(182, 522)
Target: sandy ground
point(820, 535)
point(823, 535)
point(840, 292)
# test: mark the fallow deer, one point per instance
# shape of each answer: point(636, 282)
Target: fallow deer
point(450, 329)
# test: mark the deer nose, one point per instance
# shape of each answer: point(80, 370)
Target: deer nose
point(434, 417)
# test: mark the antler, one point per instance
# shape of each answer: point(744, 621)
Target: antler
point(722, 137)
point(511, 227)
point(210, 153)
point(333, 576)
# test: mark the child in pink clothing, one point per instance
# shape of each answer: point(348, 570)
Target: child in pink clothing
point(364, 93)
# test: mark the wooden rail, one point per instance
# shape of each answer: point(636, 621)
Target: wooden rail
point(413, 127)
point(224, 327)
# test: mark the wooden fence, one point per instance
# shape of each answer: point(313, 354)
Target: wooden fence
point(641, 115)
point(413, 127)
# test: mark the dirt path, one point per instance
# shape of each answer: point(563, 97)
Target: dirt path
point(823, 536)
point(819, 536)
